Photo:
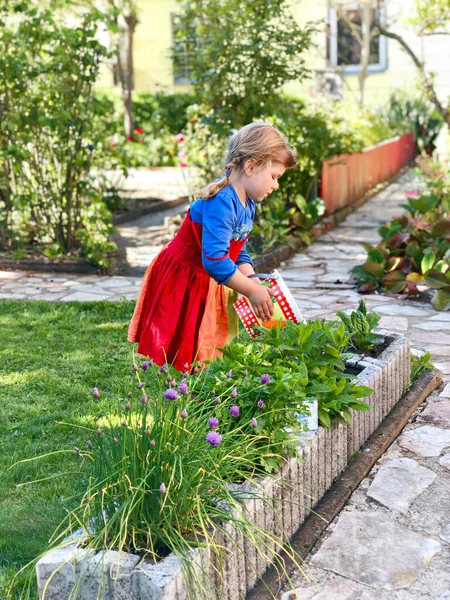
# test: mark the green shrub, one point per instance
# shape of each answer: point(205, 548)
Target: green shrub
point(55, 137)
point(414, 254)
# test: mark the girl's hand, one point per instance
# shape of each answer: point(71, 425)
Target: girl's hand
point(261, 302)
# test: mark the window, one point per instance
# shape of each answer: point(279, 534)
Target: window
point(183, 49)
point(344, 50)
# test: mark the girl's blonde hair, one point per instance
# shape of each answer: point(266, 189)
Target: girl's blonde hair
point(258, 141)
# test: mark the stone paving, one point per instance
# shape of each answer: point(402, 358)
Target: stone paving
point(392, 541)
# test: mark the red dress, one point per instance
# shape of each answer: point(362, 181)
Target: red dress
point(181, 314)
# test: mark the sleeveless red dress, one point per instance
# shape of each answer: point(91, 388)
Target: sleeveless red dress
point(181, 314)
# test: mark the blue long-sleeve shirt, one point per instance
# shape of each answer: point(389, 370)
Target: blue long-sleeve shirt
point(223, 219)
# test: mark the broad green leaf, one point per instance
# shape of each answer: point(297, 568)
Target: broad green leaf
point(436, 279)
point(441, 229)
point(428, 261)
point(395, 281)
point(441, 300)
point(375, 269)
point(376, 256)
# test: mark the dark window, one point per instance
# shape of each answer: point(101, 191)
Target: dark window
point(348, 47)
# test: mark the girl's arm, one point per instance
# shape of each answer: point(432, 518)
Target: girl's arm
point(258, 295)
point(247, 269)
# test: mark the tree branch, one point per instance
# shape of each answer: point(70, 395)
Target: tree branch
point(445, 113)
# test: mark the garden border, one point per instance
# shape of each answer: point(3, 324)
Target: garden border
point(292, 494)
point(337, 496)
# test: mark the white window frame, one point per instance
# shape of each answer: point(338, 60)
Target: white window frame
point(379, 67)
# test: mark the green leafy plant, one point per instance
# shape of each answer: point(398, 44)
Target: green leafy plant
point(158, 469)
point(304, 361)
point(420, 364)
point(414, 254)
point(361, 325)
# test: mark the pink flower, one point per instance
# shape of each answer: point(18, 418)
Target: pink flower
point(182, 154)
point(96, 393)
point(127, 406)
point(412, 194)
point(129, 138)
point(184, 414)
point(233, 393)
point(162, 488)
point(179, 137)
point(152, 443)
point(254, 423)
point(234, 411)
point(139, 130)
point(183, 164)
point(213, 438)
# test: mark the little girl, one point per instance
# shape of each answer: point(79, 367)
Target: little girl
point(182, 311)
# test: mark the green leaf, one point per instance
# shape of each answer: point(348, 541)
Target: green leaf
point(428, 261)
point(374, 268)
point(441, 300)
point(441, 229)
point(436, 279)
point(376, 256)
point(395, 281)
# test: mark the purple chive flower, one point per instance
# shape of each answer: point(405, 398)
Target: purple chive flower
point(234, 411)
point(260, 404)
point(213, 438)
point(127, 406)
point(245, 373)
point(158, 373)
point(183, 388)
point(186, 366)
point(90, 445)
point(183, 414)
point(145, 365)
point(135, 367)
point(162, 488)
point(265, 379)
point(140, 386)
point(152, 443)
point(171, 395)
point(147, 431)
point(77, 450)
point(254, 423)
point(129, 394)
point(99, 431)
point(164, 369)
point(124, 423)
point(196, 369)
point(174, 383)
point(233, 393)
point(217, 400)
point(229, 374)
point(213, 423)
point(96, 393)
point(143, 399)
point(213, 392)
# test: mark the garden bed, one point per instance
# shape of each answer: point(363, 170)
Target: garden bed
point(279, 504)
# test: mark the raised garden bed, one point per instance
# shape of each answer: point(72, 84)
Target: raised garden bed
point(279, 504)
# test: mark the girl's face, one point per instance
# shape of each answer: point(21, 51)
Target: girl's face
point(262, 181)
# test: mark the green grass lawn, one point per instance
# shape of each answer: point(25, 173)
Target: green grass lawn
point(51, 357)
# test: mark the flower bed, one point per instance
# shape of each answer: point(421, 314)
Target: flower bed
point(279, 504)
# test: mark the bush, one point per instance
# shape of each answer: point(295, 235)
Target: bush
point(414, 254)
point(55, 136)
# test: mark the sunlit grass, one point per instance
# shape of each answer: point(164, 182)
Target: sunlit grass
point(51, 357)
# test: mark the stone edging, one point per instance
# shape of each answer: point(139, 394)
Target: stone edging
point(293, 494)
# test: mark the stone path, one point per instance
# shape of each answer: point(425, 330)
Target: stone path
point(392, 541)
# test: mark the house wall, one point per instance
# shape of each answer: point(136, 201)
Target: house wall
point(153, 65)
